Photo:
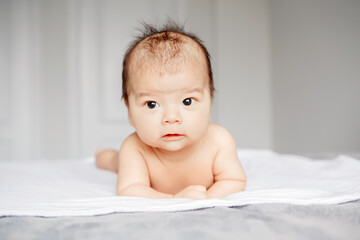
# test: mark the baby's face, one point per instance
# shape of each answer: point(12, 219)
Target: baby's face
point(170, 112)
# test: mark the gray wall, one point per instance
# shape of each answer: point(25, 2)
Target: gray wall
point(243, 74)
point(53, 121)
point(316, 75)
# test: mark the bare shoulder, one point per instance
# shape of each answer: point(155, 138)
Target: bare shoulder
point(131, 139)
point(224, 143)
point(221, 136)
point(131, 150)
point(132, 143)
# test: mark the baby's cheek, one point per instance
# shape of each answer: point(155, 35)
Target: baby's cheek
point(145, 137)
point(200, 125)
point(147, 131)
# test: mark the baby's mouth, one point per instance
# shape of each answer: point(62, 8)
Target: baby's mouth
point(173, 136)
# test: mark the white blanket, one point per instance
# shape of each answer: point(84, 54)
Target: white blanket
point(78, 188)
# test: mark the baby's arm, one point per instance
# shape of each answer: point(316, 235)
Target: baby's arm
point(133, 175)
point(228, 173)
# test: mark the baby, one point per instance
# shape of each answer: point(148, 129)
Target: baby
point(175, 150)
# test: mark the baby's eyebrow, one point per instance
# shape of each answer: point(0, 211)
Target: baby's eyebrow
point(193, 90)
point(151, 94)
point(143, 94)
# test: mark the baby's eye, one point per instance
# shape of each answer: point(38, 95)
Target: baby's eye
point(188, 101)
point(152, 104)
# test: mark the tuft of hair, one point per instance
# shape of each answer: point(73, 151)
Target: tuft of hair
point(165, 49)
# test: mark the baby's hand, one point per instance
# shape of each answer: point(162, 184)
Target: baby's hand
point(192, 192)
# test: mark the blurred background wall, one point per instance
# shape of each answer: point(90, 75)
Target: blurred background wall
point(287, 72)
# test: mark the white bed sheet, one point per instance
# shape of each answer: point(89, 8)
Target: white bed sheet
point(78, 188)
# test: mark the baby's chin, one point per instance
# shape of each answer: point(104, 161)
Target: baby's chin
point(170, 147)
point(178, 147)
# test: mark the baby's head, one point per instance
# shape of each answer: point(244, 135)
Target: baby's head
point(165, 50)
point(168, 87)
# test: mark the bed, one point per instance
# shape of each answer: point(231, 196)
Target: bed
point(288, 197)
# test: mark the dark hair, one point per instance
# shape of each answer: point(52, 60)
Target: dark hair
point(148, 31)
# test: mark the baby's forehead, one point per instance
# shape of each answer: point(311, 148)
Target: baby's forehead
point(152, 83)
point(167, 52)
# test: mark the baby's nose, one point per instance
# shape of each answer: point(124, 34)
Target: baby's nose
point(171, 116)
point(172, 121)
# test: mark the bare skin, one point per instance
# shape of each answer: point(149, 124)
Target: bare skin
point(212, 171)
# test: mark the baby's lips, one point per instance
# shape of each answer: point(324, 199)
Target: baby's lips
point(172, 135)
